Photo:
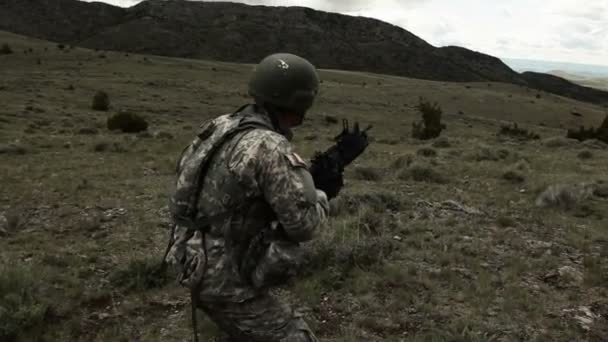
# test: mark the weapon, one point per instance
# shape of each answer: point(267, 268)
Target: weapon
point(327, 167)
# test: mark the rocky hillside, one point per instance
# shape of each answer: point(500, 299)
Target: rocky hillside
point(241, 33)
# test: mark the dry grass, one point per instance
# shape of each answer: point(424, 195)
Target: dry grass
point(406, 257)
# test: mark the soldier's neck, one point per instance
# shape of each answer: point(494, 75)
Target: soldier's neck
point(280, 126)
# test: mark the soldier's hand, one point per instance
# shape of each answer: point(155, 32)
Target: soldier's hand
point(352, 142)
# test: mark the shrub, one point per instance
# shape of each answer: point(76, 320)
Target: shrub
point(600, 133)
point(341, 257)
point(367, 173)
point(331, 120)
point(442, 143)
point(21, 307)
point(101, 101)
point(139, 275)
point(127, 123)
point(506, 221)
point(109, 147)
point(585, 154)
point(514, 177)
point(426, 152)
point(430, 127)
point(14, 149)
point(485, 153)
point(518, 133)
point(420, 173)
point(402, 162)
point(5, 49)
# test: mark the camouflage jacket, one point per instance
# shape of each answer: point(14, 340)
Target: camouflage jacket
point(254, 182)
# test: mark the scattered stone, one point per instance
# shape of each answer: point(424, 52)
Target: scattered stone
point(113, 213)
point(564, 196)
point(3, 226)
point(584, 316)
point(564, 276)
point(536, 244)
point(456, 206)
point(601, 191)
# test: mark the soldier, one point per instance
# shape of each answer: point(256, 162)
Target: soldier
point(243, 202)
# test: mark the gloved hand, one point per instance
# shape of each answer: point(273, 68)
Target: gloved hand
point(327, 175)
point(351, 143)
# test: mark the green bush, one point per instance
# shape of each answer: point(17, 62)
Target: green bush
point(139, 275)
point(101, 101)
point(127, 123)
point(585, 154)
point(513, 177)
point(5, 49)
point(430, 127)
point(600, 133)
point(367, 173)
point(20, 306)
point(421, 173)
point(427, 152)
point(514, 131)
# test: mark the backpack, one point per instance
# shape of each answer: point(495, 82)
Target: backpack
point(192, 167)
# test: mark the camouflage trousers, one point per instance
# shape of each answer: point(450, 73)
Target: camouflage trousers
point(260, 319)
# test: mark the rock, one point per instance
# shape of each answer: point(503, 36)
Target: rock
point(565, 276)
point(584, 316)
point(564, 196)
point(453, 205)
point(535, 244)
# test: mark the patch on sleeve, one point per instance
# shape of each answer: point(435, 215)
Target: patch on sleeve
point(295, 160)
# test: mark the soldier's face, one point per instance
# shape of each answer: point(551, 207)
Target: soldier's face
point(293, 119)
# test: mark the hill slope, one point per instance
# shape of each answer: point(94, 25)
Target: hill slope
point(240, 33)
point(428, 241)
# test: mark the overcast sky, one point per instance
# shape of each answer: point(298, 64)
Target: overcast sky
point(555, 30)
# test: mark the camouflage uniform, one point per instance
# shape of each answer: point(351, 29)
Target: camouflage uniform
point(254, 181)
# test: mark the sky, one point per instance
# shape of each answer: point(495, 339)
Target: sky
point(571, 31)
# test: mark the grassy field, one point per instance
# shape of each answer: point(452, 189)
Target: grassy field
point(438, 240)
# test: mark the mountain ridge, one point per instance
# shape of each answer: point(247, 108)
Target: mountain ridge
point(212, 30)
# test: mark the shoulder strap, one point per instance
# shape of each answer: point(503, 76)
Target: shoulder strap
point(195, 160)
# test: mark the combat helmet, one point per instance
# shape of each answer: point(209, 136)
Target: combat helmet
point(287, 81)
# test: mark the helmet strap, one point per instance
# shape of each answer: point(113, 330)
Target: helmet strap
point(274, 114)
